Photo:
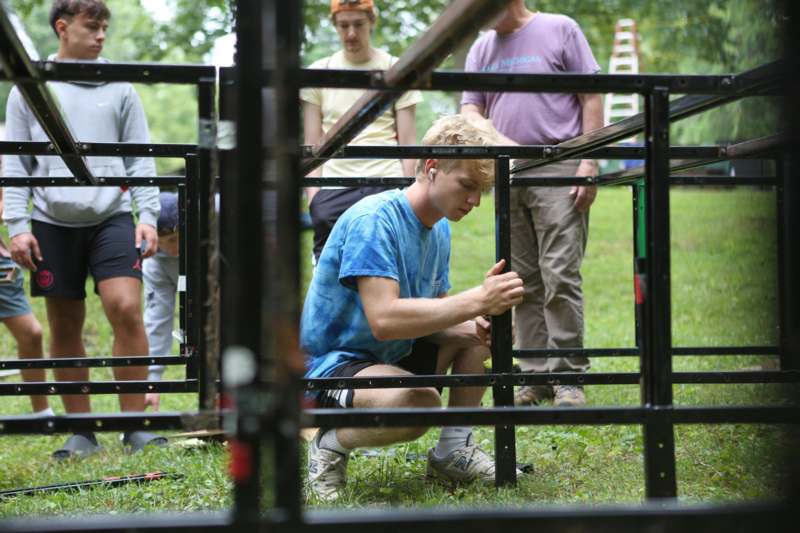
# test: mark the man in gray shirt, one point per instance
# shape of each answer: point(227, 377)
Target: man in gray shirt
point(77, 230)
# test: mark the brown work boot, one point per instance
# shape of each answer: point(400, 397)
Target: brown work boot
point(569, 396)
point(533, 394)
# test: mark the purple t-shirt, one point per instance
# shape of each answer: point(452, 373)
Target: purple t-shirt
point(547, 43)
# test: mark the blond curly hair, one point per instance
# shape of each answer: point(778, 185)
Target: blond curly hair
point(454, 130)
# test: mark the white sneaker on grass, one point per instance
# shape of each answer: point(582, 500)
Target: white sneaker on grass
point(327, 471)
point(465, 464)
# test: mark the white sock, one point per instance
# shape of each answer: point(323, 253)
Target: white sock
point(451, 439)
point(45, 412)
point(331, 442)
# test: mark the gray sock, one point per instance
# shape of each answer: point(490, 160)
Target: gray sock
point(329, 441)
point(451, 439)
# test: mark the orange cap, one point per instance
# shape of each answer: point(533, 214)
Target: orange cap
point(351, 5)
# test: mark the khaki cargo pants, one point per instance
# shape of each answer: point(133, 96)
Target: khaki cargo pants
point(548, 240)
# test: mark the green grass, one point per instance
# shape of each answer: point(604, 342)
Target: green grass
point(723, 274)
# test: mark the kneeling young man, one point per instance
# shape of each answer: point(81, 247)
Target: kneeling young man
point(378, 306)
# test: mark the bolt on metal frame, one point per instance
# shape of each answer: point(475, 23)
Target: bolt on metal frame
point(260, 303)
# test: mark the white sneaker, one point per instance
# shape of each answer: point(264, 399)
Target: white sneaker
point(468, 463)
point(327, 471)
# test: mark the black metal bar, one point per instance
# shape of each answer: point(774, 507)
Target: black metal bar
point(508, 380)
point(491, 416)
point(16, 63)
point(668, 516)
point(191, 296)
point(95, 387)
point(639, 254)
point(724, 84)
point(516, 151)
point(91, 362)
point(101, 149)
point(455, 416)
point(206, 174)
point(283, 293)
point(747, 149)
point(505, 447)
point(656, 338)
point(115, 72)
point(105, 181)
point(789, 359)
point(631, 352)
point(183, 257)
point(457, 380)
point(242, 249)
point(723, 181)
point(29, 424)
point(550, 181)
point(460, 20)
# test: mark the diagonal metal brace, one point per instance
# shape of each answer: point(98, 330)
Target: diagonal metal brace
point(17, 65)
point(457, 23)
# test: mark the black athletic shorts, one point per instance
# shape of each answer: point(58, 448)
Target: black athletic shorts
point(328, 205)
point(421, 361)
point(107, 250)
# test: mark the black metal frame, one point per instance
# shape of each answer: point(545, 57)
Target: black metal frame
point(257, 281)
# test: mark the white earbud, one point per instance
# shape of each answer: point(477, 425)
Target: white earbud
point(432, 173)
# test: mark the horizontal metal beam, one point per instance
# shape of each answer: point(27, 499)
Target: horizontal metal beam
point(96, 387)
point(549, 181)
point(531, 152)
point(92, 362)
point(634, 352)
point(460, 20)
point(30, 424)
point(502, 82)
point(17, 65)
point(105, 181)
point(664, 516)
point(101, 149)
point(558, 378)
point(115, 72)
point(761, 148)
point(405, 417)
point(490, 416)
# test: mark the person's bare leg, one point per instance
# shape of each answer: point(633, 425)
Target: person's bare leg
point(27, 331)
point(65, 317)
point(122, 303)
point(463, 361)
point(382, 398)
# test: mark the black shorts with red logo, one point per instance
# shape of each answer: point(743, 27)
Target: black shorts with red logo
point(107, 250)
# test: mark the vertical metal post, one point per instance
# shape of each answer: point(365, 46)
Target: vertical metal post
point(505, 446)
point(789, 359)
point(182, 258)
point(242, 258)
point(639, 255)
point(228, 93)
point(656, 342)
point(194, 369)
point(206, 163)
point(284, 295)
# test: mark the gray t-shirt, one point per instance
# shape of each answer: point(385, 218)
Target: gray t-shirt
point(547, 43)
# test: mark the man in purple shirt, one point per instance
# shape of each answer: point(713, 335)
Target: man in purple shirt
point(549, 225)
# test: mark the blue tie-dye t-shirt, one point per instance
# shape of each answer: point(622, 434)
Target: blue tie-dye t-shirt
point(379, 236)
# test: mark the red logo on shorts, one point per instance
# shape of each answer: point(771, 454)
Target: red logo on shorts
point(138, 264)
point(44, 279)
